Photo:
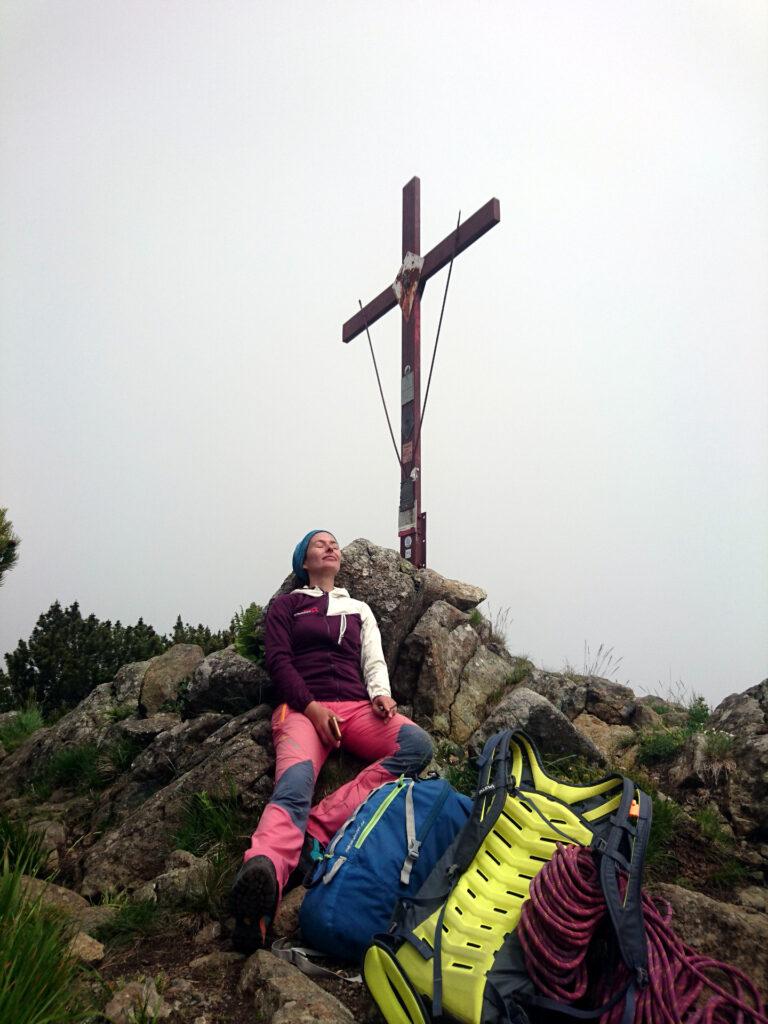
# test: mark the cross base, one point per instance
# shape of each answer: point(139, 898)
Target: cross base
point(413, 542)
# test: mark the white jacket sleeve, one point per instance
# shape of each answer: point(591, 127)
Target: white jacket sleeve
point(372, 660)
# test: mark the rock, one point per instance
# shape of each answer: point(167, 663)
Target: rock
point(182, 859)
point(139, 1000)
point(135, 851)
point(743, 794)
point(283, 995)
point(482, 682)
point(227, 682)
point(7, 717)
point(89, 722)
point(176, 885)
point(145, 730)
point(64, 900)
point(84, 915)
point(549, 728)
point(287, 918)
point(86, 949)
point(565, 692)
point(643, 716)
point(213, 963)
point(166, 673)
point(177, 749)
point(3, 752)
point(208, 934)
point(754, 897)
point(610, 740)
point(126, 686)
point(720, 930)
point(431, 663)
point(696, 768)
point(187, 1001)
point(610, 702)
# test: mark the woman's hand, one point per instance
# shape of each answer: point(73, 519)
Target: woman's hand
point(385, 707)
point(324, 721)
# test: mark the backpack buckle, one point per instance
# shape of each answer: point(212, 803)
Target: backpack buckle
point(413, 848)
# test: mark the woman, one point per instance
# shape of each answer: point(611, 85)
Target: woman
point(324, 655)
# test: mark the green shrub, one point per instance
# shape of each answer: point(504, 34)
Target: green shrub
point(711, 827)
point(39, 980)
point(576, 769)
point(120, 712)
point(476, 618)
point(248, 626)
point(20, 728)
point(729, 875)
point(660, 745)
point(698, 712)
point(718, 745)
point(462, 776)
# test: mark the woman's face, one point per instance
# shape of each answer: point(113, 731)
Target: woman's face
point(323, 555)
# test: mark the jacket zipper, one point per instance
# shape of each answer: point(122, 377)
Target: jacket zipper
point(380, 811)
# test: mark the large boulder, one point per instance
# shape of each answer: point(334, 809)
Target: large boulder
point(574, 695)
point(283, 995)
point(447, 673)
point(742, 793)
point(236, 755)
point(550, 729)
point(720, 930)
point(89, 722)
point(225, 681)
point(166, 673)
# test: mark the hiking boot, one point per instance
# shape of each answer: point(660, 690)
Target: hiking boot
point(254, 902)
point(311, 853)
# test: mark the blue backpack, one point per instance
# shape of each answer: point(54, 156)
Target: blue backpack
point(380, 855)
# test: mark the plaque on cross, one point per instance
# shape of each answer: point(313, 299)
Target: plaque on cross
point(407, 291)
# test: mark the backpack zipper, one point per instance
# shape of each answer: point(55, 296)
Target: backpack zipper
point(380, 810)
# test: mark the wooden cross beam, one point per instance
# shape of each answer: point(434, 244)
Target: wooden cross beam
point(412, 522)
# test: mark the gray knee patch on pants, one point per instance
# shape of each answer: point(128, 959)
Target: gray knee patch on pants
point(294, 792)
point(414, 751)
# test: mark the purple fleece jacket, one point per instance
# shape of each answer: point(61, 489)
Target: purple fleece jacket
point(311, 655)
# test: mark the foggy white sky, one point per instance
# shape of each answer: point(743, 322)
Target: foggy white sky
point(195, 195)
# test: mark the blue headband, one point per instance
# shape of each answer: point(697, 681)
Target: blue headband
point(300, 554)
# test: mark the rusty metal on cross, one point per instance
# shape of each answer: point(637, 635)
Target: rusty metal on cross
point(412, 522)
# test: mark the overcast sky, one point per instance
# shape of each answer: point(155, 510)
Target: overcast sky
point(195, 195)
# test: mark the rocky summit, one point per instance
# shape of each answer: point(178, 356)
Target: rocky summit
point(180, 765)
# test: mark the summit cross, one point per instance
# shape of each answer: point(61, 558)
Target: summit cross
point(412, 278)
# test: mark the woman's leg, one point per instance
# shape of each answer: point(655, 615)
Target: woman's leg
point(299, 756)
point(395, 745)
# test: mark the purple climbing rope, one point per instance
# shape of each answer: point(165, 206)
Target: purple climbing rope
point(567, 910)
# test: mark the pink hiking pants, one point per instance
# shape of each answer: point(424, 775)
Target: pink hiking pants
point(394, 745)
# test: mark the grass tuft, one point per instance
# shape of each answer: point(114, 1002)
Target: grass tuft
point(660, 745)
point(20, 728)
point(667, 819)
point(20, 845)
point(40, 979)
point(212, 821)
point(84, 767)
point(133, 921)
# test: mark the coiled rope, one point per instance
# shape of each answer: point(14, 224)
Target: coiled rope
point(567, 911)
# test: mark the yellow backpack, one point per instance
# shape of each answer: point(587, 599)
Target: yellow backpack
point(453, 945)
